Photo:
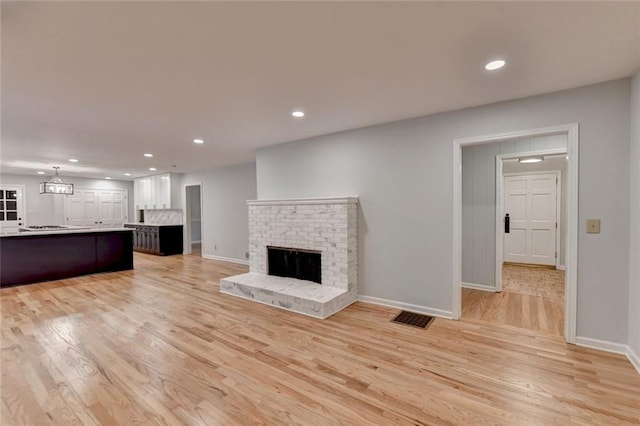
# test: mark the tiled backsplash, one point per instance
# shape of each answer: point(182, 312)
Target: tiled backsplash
point(163, 217)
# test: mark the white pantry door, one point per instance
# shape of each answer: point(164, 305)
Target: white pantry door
point(112, 209)
point(530, 201)
point(82, 208)
point(97, 208)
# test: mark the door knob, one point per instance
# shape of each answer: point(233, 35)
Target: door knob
point(507, 224)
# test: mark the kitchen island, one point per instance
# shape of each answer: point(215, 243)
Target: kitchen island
point(29, 257)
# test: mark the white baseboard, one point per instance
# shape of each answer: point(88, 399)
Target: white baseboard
point(634, 358)
point(562, 267)
point(617, 348)
point(603, 345)
point(226, 259)
point(406, 306)
point(195, 241)
point(483, 287)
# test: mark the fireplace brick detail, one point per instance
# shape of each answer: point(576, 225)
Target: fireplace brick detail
point(327, 225)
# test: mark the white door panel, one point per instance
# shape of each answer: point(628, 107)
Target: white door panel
point(97, 208)
point(530, 201)
point(75, 212)
point(542, 243)
point(517, 246)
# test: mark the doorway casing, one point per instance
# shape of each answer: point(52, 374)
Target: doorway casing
point(186, 211)
point(572, 132)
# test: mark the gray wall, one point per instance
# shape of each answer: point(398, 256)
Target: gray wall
point(479, 200)
point(225, 216)
point(402, 172)
point(48, 209)
point(634, 229)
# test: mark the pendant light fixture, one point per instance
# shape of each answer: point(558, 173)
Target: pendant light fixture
point(56, 185)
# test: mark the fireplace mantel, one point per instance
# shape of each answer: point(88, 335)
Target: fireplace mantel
point(303, 201)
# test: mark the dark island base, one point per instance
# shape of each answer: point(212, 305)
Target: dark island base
point(37, 258)
point(162, 240)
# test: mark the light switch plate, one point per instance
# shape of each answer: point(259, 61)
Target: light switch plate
point(593, 226)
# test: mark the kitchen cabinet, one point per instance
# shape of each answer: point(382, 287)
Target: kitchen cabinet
point(157, 239)
point(157, 192)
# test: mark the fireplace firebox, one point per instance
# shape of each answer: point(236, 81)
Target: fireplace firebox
point(294, 263)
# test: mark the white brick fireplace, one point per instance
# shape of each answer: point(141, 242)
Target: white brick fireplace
point(325, 225)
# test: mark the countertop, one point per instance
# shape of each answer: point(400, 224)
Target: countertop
point(153, 224)
point(62, 231)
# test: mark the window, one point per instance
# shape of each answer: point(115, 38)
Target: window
point(8, 205)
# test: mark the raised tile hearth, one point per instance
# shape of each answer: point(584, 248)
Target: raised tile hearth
point(326, 225)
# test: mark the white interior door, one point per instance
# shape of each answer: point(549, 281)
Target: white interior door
point(11, 208)
point(97, 208)
point(112, 209)
point(530, 201)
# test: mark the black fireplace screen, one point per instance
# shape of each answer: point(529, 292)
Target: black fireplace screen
point(293, 263)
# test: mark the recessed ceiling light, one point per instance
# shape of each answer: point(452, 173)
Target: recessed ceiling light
point(198, 141)
point(127, 174)
point(153, 169)
point(148, 155)
point(73, 160)
point(40, 173)
point(298, 114)
point(530, 160)
point(108, 177)
point(495, 65)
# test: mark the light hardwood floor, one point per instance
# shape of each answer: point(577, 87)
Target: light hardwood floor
point(161, 345)
point(532, 298)
point(536, 313)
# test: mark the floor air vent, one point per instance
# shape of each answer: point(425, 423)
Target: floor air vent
point(413, 319)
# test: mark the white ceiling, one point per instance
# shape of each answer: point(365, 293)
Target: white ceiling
point(104, 82)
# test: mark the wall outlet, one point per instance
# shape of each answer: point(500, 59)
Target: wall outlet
point(246, 254)
point(593, 226)
point(215, 247)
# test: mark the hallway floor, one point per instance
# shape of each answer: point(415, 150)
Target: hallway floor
point(532, 298)
point(533, 280)
point(196, 249)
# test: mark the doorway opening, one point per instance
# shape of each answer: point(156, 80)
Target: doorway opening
point(533, 244)
point(527, 290)
point(193, 220)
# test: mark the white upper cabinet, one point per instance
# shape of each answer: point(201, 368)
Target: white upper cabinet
point(157, 192)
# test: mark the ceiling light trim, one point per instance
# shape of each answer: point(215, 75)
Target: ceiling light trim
point(495, 64)
point(530, 160)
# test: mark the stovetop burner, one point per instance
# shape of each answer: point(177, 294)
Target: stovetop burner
point(47, 227)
